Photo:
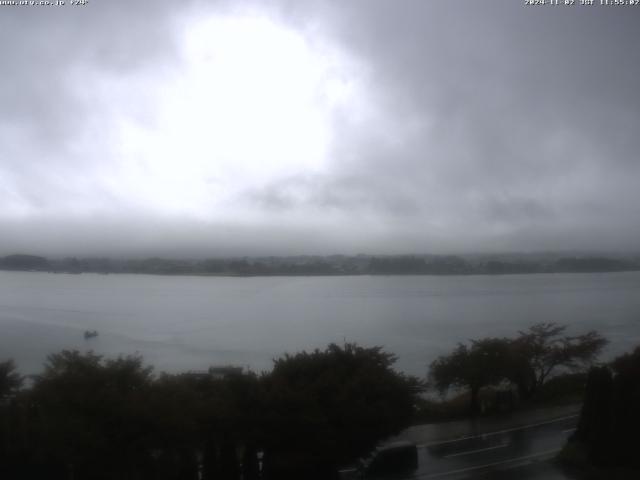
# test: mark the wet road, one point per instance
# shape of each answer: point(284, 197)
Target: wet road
point(520, 452)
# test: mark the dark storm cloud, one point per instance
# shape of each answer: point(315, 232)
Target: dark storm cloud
point(526, 120)
point(495, 126)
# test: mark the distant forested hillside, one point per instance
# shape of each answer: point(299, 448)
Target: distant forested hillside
point(331, 265)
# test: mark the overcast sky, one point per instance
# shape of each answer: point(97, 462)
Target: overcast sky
point(286, 127)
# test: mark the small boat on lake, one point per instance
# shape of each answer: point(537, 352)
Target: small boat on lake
point(90, 334)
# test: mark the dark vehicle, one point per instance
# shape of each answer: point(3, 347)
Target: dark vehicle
point(398, 458)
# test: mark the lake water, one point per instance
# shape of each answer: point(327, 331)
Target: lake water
point(183, 323)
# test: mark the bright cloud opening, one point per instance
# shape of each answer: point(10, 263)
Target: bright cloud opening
point(252, 101)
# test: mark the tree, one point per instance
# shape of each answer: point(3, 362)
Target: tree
point(536, 353)
point(11, 421)
point(92, 415)
point(473, 367)
point(610, 418)
point(330, 406)
point(10, 379)
point(527, 361)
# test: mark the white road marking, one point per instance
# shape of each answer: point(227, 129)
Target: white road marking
point(469, 452)
point(524, 427)
point(568, 430)
point(348, 470)
point(487, 465)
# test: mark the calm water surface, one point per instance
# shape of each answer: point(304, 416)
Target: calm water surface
point(181, 323)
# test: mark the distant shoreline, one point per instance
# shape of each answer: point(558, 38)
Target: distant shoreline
point(329, 266)
point(320, 275)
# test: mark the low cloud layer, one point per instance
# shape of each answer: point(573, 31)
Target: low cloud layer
point(413, 127)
